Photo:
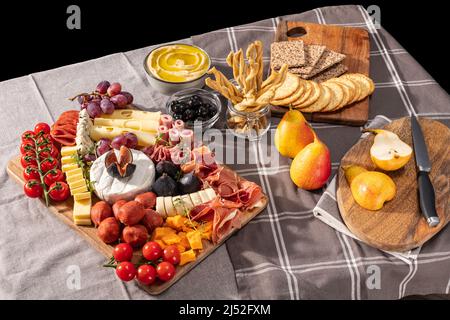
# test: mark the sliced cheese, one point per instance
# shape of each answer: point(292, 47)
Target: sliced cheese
point(195, 197)
point(78, 190)
point(133, 114)
point(145, 139)
point(82, 195)
point(69, 167)
point(68, 151)
point(77, 184)
point(68, 159)
point(74, 172)
point(82, 209)
point(178, 205)
point(140, 125)
point(210, 193)
point(160, 207)
point(168, 205)
point(203, 196)
point(187, 203)
point(74, 178)
point(83, 222)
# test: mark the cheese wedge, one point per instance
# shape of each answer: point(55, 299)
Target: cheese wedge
point(68, 151)
point(140, 125)
point(145, 139)
point(68, 159)
point(168, 205)
point(133, 114)
point(82, 195)
point(82, 209)
point(160, 207)
point(69, 167)
point(78, 190)
point(83, 222)
point(77, 184)
point(178, 205)
point(195, 197)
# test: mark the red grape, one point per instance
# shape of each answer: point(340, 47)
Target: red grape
point(114, 89)
point(103, 146)
point(93, 109)
point(107, 106)
point(120, 100)
point(118, 141)
point(129, 96)
point(102, 87)
point(131, 140)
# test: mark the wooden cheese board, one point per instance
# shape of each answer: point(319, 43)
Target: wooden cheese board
point(63, 210)
point(353, 42)
point(399, 225)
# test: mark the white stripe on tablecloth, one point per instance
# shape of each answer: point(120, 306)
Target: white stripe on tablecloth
point(349, 265)
point(271, 209)
point(319, 18)
point(353, 261)
point(415, 83)
point(272, 170)
point(389, 64)
point(401, 288)
point(447, 290)
point(321, 15)
point(230, 39)
point(284, 216)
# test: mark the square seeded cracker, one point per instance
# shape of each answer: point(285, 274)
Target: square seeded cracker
point(332, 72)
point(313, 52)
point(291, 53)
point(328, 59)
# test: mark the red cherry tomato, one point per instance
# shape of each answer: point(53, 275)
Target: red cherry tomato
point(28, 136)
point(28, 159)
point(31, 173)
point(152, 251)
point(123, 252)
point(165, 271)
point(33, 189)
point(27, 146)
point(50, 151)
point(53, 175)
point(59, 191)
point(126, 271)
point(146, 274)
point(48, 164)
point(171, 254)
point(42, 126)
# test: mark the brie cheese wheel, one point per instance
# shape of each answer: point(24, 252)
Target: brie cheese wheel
point(112, 189)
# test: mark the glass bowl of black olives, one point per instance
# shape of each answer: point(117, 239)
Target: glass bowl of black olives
point(195, 107)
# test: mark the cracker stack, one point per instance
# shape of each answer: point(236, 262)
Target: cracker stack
point(314, 62)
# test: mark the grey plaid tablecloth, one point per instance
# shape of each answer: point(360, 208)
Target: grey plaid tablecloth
point(284, 253)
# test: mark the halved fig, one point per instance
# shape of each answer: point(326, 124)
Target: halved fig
point(123, 167)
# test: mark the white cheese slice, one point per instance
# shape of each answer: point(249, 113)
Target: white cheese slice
point(187, 203)
point(210, 193)
point(178, 205)
point(111, 189)
point(160, 207)
point(168, 204)
point(203, 196)
point(195, 197)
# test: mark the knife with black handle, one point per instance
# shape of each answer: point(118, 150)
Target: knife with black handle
point(426, 190)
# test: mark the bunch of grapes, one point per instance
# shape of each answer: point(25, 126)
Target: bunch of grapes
point(105, 99)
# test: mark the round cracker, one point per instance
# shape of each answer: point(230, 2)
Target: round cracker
point(362, 82)
point(337, 95)
point(321, 103)
point(289, 100)
point(350, 87)
point(288, 88)
point(313, 97)
point(308, 88)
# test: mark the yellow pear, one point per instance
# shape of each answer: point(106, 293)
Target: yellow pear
point(370, 189)
point(293, 134)
point(388, 151)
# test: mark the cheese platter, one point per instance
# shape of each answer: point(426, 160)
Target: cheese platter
point(137, 185)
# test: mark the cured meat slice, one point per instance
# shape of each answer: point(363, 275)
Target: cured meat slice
point(64, 130)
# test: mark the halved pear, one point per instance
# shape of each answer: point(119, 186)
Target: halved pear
point(388, 151)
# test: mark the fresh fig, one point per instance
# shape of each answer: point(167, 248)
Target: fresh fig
point(168, 167)
point(165, 186)
point(189, 183)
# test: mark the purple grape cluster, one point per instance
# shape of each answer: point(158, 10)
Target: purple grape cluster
point(105, 99)
point(128, 140)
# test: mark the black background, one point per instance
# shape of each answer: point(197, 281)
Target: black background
point(34, 36)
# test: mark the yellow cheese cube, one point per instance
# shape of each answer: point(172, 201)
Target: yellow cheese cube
point(74, 171)
point(160, 232)
point(74, 178)
point(187, 256)
point(184, 240)
point(172, 238)
point(82, 209)
point(68, 151)
point(195, 239)
point(77, 184)
point(78, 190)
point(176, 222)
point(83, 222)
point(67, 160)
point(181, 248)
point(82, 195)
point(206, 230)
point(69, 167)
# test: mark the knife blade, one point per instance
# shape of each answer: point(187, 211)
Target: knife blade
point(426, 190)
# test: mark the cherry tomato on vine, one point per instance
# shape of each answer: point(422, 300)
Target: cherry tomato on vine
point(28, 136)
point(27, 146)
point(48, 164)
point(28, 159)
point(123, 252)
point(33, 189)
point(146, 274)
point(171, 254)
point(42, 126)
point(59, 191)
point(126, 271)
point(152, 251)
point(31, 172)
point(165, 271)
point(53, 175)
point(51, 151)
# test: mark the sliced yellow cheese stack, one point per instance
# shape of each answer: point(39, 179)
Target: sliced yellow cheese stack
point(133, 114)
point(139, 125)
point(77, 185)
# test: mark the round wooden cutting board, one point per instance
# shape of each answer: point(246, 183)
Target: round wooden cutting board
point(399, 225)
